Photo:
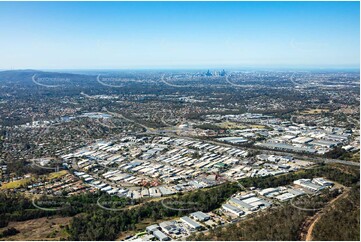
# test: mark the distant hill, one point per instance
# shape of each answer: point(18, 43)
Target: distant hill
point(25, 76)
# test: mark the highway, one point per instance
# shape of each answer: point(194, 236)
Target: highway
point(172, 132)
point(283, 153)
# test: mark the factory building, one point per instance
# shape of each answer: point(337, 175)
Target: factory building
point(191, 223)
point(160, 235)
point(306, 183)
point(242, 204)
point(200, 216)
point(233, 209)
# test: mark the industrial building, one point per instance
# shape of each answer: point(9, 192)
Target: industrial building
point(243, 204)
point(150, 229)
point(233, 140)
point(160, 235)
point(200, 216)
point(191, 223)
point(233, 209)
point(322, 182)
point(287, 147)
point(306, 183)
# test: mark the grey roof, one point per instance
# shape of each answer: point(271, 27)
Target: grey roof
point(200, 215)
point(233, 208)
point(160, 235)
point(191, 222)
point(335, 136)
point(287, 147)
point(152, 227)
point(165, 191)
point(241, 203)
point(324, 142)
point(311, 185)
point(295, 191)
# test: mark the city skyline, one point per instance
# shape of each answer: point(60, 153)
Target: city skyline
point(180, 121)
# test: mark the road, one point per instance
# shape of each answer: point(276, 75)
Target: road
point(283, 153)
point(172, 132)
point(118, 115)
point(318, 215)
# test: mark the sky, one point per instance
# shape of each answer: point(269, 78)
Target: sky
point(132, 35)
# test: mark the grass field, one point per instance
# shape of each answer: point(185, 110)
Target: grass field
point(257, 126)
point(314, 111)
point(15, 184)
point(25, 181)
point(231, 125)
point(55, 175)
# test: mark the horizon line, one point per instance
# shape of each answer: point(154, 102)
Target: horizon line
point(185, 68)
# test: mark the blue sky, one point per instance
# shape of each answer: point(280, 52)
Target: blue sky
point(111, 35)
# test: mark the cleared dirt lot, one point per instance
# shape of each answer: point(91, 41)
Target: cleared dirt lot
point(39, 229)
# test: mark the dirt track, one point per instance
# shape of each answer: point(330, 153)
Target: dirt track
point(313, 220)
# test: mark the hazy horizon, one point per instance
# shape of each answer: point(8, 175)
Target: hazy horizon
point(245, 68)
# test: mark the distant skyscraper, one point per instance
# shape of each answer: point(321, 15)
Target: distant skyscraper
point(208, 73)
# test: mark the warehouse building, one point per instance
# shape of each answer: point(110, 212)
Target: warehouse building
point(306, 183)
point(170, 227)
point(287, 147)
point(233, 140)
point(324, 143)
point(160, 235)
point(268, 192)
point(200, 216)
point(242, 204)
point(191, 223)
point(322, 182)
point(233, 209)
point(285, 196)
point(302, 140)
point(150, 229)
